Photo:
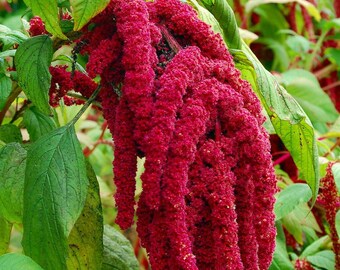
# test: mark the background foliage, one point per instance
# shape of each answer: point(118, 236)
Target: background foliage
point(297, 41)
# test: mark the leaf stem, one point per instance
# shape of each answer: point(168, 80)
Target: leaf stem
point(14, 94)
point(309, 63)
point(86, 105)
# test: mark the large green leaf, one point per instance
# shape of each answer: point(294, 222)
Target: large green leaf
point(5, 235)
point(312, 10)
point(324, 259)
point(226, 18)
point(15, 261)
point(305, 88)
point(12, 175)
point(289, 120)
point(290, 198)
point(118, 252)
point(32, 60)
point(6, 88)
point(85, 10)
point(54, 196)
point(47, 10)
point(316, 246)
point(281, 259)
point(10, 37)
point(295, 221)
point(86, 238)
point(37, 123)
point(10, 133)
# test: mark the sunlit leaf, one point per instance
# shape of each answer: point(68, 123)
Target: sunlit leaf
point(324, 259)
point(47, 10)
point(10, 37)
point(84, 10)
point(289, 120)
point(316, 246)
point(15, 261)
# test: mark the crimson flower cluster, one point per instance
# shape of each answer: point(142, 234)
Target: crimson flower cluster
point(172, 95)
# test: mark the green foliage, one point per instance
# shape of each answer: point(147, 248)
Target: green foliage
point(13, 261)
point(12, 175)
point(6, 88)
point(118, 252)
point(84, 10)
point(47, 10)
point(32, 61)
point(55, 193)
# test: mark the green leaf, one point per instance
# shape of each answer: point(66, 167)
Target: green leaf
point(7, 53)
point(32, 60)
point(54, 196)
point(5, 235)
point(226, 18)
point(47, 10)
point(68, 59)
point(337, 222)
point(86, 238)
point(208, 18)
point(10, 133)
point(289, 198)
point(10, 37)
point(12, 175)
point(6, 88)
point(333, 55)
point(324, 259)
point(118, 252)
point(336, 174)
point(15, 261)
point(289, 120)
point(305, 88)
point(299, 217)
point(281, 259)
point(312, 10)
point(85, 10)
point(316, 246)
point(37, 123)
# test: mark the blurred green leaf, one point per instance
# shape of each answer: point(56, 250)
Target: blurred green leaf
point(5, 235)
point(37, 123)
point(84, 10)
point(289, 120)
point(47, 10)
point(15, 261)
point(333, 55)
point(7, 53)
point(316, 246)
point(32, 60)
point(289, 198)
point(312, 10)
point(324, 259)
point(54, 196)
point(336, 173)
point(86, 238)
point(10, 133)
point(6, 88)
point(305, 88)
point(118, 252)
point(281, 259)
point(12, 175)
point(10, 37)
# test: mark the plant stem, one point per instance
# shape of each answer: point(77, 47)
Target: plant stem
point(174, 45)
point(324, 72)
point(13, 95)
point(328, 87)
point(309, 63)
point(86, 105)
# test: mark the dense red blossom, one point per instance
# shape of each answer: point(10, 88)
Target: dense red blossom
point(171, 93)
point(302, 264)
point(37, 27)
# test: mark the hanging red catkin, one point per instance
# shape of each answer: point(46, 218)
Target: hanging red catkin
point(330, 199)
